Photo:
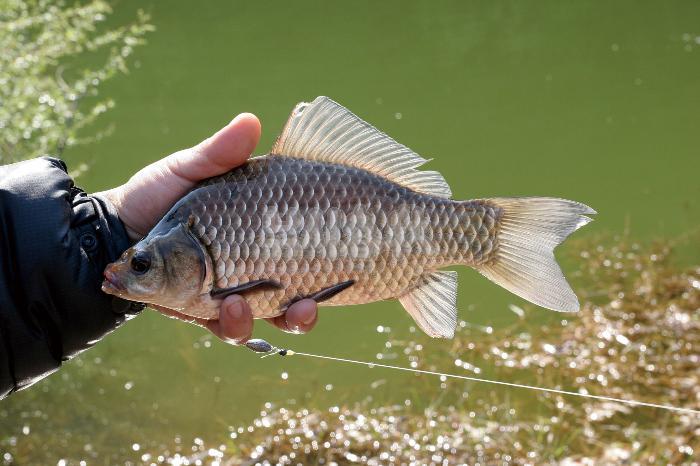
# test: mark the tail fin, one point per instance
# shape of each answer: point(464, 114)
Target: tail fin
point(530, 229)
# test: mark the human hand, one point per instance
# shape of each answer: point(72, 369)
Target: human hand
point(143, 200)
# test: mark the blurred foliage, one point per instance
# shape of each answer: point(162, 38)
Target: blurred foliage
point(47, 96)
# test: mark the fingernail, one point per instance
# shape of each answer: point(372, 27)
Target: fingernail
point(294, 329)
point(309, 319)
point(235, 307)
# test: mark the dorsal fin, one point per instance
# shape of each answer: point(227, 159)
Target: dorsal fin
point(326, 131)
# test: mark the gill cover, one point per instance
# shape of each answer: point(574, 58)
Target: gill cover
point(187, 265)
point(179, 268)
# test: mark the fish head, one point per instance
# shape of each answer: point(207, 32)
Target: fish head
point(168, 269)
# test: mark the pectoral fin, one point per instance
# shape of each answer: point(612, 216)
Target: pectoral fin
point(433, 304)
point(326, 293)
point(242, 288)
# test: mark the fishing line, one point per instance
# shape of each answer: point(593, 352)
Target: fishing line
point(289, 352)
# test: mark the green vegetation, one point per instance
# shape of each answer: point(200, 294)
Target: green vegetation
point(46, 96)
point(637, 337)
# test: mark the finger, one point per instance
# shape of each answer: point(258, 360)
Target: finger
point(301, 317)
point(173, 314)
point(228, 148)
point(168, 179)
point(235, 324)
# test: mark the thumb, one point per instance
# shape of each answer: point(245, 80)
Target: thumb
point(226, 149)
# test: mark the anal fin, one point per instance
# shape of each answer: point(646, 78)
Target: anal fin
point(433, 304)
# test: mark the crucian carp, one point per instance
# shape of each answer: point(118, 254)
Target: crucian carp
point(339, 212)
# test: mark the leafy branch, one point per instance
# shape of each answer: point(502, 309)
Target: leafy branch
point(47, 94)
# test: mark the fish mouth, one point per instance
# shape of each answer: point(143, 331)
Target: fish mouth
point(111, 284)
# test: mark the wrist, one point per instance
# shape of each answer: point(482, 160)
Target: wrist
point(115, 197)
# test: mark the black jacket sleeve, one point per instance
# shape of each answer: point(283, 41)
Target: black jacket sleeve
point(55, 241)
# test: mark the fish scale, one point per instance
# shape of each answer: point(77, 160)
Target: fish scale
point(339, 224)
point(339, 212)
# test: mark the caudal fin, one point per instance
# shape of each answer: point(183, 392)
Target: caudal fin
point(530, 229)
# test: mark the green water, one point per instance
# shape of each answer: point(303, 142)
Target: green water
point(589, 101)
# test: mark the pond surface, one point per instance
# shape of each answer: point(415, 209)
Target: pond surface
point(592, 102)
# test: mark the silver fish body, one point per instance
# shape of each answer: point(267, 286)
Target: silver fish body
point(339, 212)
point(309, 225)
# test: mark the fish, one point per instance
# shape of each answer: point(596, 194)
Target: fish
point(340, 212)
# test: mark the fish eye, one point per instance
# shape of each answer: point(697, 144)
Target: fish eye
point(140, 263)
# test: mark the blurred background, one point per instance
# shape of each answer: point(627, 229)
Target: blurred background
point(582, 100)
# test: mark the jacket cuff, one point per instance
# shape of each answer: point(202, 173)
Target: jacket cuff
point(103, 237)
point(116, 245)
